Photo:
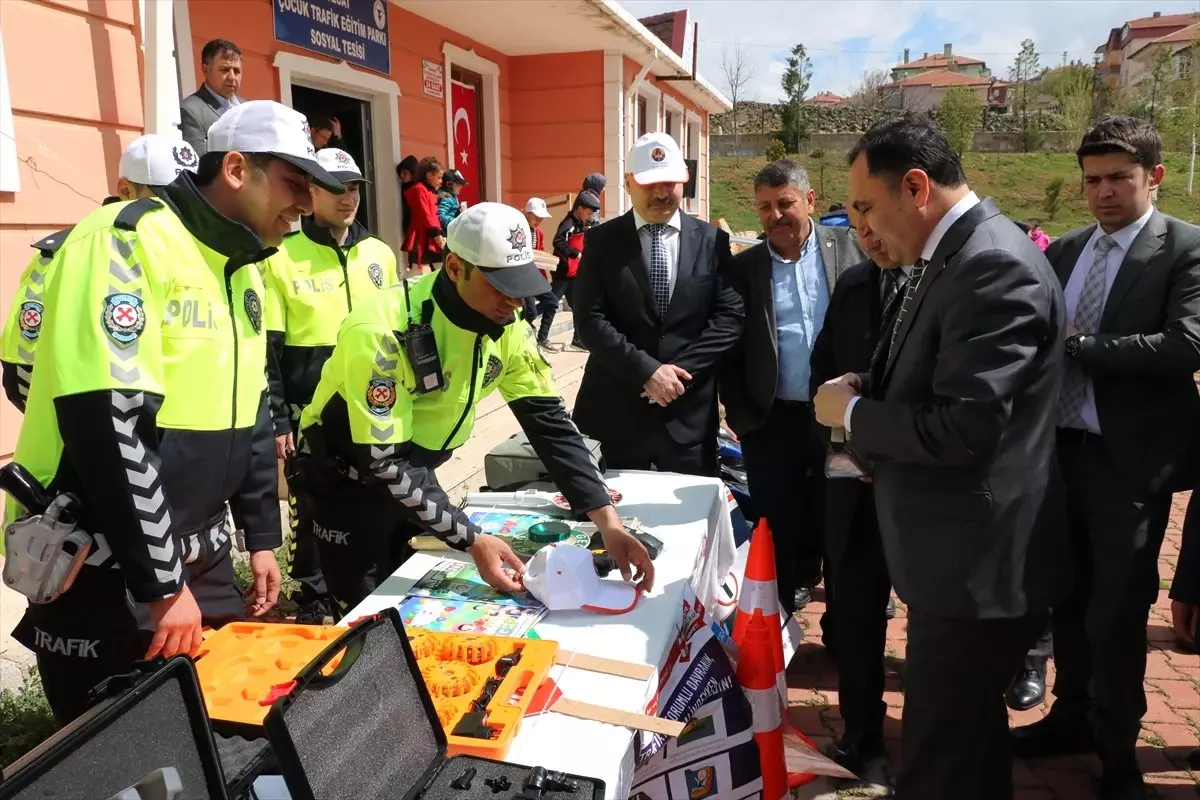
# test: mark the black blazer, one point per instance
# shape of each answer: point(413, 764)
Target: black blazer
point(845, 344)
point(751, 372)
point(961, 425)
point(616, 318)
point(197, 113)
point(1143, 358)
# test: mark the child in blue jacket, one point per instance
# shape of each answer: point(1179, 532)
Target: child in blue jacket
point(449, 206)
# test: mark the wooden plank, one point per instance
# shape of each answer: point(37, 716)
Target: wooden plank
point(625, 719)
point(605, 666)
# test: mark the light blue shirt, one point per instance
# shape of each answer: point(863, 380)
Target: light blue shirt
point(801, 297)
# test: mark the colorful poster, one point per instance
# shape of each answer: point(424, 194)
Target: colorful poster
point(456, 580)
point(452, 616)
point(465, 142)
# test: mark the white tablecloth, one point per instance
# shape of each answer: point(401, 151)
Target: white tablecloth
point(690, 516)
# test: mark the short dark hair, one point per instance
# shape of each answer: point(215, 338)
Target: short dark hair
point(1023, 225)
point(210, 165)
point(428, 166)
point(219, 47)
point(783, 172)
point(1130, 135)
point(910, 141)
point(319, 121)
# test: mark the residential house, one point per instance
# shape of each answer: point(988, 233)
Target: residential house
point(946, 61)
point(1116, 69)
point(1183, 46)
point(826, 99)
point(925, 91)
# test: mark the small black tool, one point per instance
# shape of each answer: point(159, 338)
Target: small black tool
point(463, 782)
point(508, 662)
point(473, 725)
point(498, 785)
point(558, 782)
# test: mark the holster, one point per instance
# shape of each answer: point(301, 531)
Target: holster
point(46, 551)
point(309, 473)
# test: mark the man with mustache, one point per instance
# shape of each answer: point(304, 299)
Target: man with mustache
point(786, 282)
point(655, 307)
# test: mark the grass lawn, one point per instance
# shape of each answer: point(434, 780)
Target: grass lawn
point(1016, 181)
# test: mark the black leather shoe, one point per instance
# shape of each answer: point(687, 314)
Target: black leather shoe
point(890, 610)
point(1028, 687)
point(1052, 736)
point(1128, 787)
point(803, 597)
point(314, 612)
point(855, 750)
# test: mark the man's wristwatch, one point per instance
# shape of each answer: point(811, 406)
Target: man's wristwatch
point(1073, 344)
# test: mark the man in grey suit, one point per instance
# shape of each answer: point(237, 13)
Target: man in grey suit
point(786, 282)
point(221, 65)
point(1128, 416)
point(957, 417)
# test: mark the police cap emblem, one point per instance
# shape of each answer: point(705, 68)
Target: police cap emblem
point(30, 320)
point(516, 237)
point(184, 155)
point(494, 367)
point(376, 273)
point(123, 318)
point(253, 310)
point(381, 396)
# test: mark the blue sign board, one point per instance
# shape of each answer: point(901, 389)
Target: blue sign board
point(355, 31)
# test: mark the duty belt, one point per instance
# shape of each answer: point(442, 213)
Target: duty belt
point(216, 534)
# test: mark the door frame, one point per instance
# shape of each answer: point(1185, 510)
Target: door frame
point(382, 97)
point(489, 71)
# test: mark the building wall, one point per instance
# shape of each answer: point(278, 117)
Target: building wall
point(70, 130)
point(975, 70)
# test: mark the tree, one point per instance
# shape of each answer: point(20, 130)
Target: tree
point(1180, 124)
point(796, 79)
point(1023, 73)
point(869, 92)
point(1072, 88)
point(1158, 83)
point(961, 116)
point(738, 71)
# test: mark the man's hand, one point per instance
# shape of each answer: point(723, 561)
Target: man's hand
point(177, 623)
point(631, 555)
point(337, 126)
point(1185, 619)
point(725, 427)
point(833, 397)
point(267, 580)
point(491, 555)
point(666, 384)
point(284, 444)
point(439, 242)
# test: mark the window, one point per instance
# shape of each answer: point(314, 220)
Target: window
point(670, 129)
point(641, 116)
point(1183, 65)
point(691, 150)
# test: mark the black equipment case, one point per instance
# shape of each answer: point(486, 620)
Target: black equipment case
point(148, 740)
point(368, 731)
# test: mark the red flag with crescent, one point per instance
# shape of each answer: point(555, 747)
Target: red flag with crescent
point(466, 141)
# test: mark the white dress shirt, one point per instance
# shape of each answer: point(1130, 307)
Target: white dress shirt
point(670, 241)
point(1074, 288)
point(931, 244)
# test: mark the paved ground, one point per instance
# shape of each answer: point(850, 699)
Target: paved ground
point(1170, 729)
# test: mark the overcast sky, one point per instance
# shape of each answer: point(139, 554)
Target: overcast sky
point(846, 37)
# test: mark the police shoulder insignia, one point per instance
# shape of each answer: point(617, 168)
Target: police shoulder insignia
point(376, 273)
point(30, 320)
point(381, 396)
point(123, 318)
point(494, 367)
point(254, 310)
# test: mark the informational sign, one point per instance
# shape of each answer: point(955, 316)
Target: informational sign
point(355, 31)
point(433, 79)
point(465, 121)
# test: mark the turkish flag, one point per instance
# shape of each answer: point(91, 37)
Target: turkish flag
point(466, 144)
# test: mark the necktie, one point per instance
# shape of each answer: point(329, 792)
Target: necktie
point(660, 269)
point(914, 281)
point(1073, 395)
point(892, 281)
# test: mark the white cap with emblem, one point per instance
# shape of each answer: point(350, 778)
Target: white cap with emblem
point(156, 160)
point(496, 239)
point(264, 126)
point(655, 158)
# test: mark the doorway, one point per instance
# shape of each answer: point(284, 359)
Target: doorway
point(355, 118)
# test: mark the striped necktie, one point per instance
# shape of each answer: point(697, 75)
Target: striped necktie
point(914, 281)
point(1073, 395)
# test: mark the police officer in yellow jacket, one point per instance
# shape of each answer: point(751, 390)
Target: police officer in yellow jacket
point(148, 162)
point(150, 405)
point(319, 275)
point(399, 394)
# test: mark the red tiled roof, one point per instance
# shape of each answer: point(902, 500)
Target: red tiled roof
point(936, 62)
point(943, 77)
point(826, 97)
point(1189, 34)
point(1164, 21)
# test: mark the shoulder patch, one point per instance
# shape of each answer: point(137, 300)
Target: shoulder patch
point(376, 273)
point(49, 245)
point(253, 309)
point(129, 216)
point(30, 320)
point(381, 396)
point(123, 318)
point(494, 367)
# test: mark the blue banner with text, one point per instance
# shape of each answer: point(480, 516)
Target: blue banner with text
point(355, 31)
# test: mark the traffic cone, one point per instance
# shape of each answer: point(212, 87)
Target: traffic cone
point(756, 674)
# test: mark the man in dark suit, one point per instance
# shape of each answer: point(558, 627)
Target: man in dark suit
point(786, 283)
point(1128, 415)
point(654, 306)
point(862, 311)
point(958, 421)
point(221, 65)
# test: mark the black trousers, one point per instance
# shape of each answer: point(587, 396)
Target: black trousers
point(857, 587)
point(304, 558)
point(785, 467)
point(955, 740)
point(94, 631)
point(657, 450)
point(549, 303)
point(1100, 633)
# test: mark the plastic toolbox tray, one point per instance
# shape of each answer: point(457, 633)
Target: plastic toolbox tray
point(157, 723)
point(482, 686)
point(368, 730)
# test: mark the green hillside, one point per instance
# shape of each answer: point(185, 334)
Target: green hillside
point(1016, 181)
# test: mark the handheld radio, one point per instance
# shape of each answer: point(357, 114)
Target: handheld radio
point(421, 347)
